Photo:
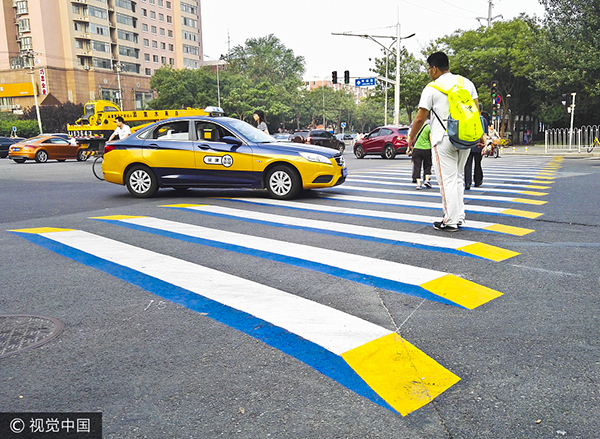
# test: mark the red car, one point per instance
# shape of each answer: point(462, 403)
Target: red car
point(385, 141)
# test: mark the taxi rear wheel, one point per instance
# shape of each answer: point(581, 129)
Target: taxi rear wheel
point(283, 182)
point(141, 182)
point(358, 152)
point(41, 156)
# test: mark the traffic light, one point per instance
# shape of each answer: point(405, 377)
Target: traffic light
point(347, 77)
point(334, 77)
point(494, 110)
point(566, 100)
point(494, 91)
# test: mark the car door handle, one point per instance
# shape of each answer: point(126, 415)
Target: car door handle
point(204, 146)
point(153, 145)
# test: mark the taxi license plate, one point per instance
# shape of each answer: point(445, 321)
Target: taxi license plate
point(344, 172)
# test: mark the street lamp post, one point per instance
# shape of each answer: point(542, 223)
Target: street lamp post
point(395, 39)
point(31, 56)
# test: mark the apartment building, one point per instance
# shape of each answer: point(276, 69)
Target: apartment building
point(80, 50)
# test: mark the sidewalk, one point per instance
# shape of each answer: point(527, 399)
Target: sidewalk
point(540, 149)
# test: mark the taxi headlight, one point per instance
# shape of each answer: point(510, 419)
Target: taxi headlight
point(318, 158)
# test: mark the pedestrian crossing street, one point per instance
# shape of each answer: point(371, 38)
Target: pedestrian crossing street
point(372, 360)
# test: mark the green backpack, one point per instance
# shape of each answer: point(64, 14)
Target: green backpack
point(464, 125)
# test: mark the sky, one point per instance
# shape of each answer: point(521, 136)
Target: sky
point(306, 27)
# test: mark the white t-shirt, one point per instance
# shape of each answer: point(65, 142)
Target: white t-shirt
point(123, 131)
point(432, 99)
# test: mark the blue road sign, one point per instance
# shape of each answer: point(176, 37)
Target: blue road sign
point(361, 82)
point(343, 124)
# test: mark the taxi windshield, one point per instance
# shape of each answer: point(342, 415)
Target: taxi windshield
point(251, 133)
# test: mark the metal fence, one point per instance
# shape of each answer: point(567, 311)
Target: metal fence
point(562, 139)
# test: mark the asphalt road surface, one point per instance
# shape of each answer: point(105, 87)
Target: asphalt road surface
point(219, 313)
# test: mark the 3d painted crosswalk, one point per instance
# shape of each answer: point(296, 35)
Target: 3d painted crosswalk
point(393, 237)
point(373, 361)
point(366, 358)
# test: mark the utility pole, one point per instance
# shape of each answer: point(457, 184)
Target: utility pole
point(30, 54)
point(572, 111)
point(118, 66)
point(489, 17)
point(396, 39)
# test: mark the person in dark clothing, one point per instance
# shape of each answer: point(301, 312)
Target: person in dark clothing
point(476, 175)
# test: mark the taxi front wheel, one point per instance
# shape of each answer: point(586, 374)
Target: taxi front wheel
point(141, 182)
point(283, 182)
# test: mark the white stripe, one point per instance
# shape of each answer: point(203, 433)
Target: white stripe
point(360, 264)
point(334, 330)
point(392, 181)
point(420, 193)
point(393, 235)
point(409, 203)
point(358, 212)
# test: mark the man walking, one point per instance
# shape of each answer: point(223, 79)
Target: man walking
point(448, 161)
point(474, 160)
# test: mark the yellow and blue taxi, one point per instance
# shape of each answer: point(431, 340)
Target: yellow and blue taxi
point(217, 152)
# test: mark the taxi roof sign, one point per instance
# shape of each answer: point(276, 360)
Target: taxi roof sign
point(214, 111)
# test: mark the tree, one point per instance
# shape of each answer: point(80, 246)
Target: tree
point(567, 59)
point(503, 52)
point(55, 118)
point(413, 77)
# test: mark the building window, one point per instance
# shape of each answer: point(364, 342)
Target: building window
point(101, 63)
point(155, 44)
point(171, 48)
point(170, 33)
point(25, 43)
point(191, 63)
point(161, 17)
point(146, 42)
point(22, 7)
point(97, 12)
point(24, 25)
point(162, 31)
point(99, 29)
point(160, 3)
point(100, 46)
point(127, 36)
point(190, 9)
point(153, 29)
point(189, 22)
point(129, 51)
point(168, 5)
point(172, 61)
point(130, 67)
point(144, 27)
point(153, 15)
point(169, 19)
point(191, 36)
point(193, 50)
point(147, 57)
point(125, 4)
point(125, 19)
point(155, 58)
point(163, 60)
point(142, 98)
point(148, 72)
point(144, 12)
point(163, 46)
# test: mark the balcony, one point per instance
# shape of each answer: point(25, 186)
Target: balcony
point(83, 37)
point(83, 18)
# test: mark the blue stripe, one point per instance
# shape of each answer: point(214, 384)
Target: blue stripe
point(312, 354)
point(340, 234)
point(361, 278)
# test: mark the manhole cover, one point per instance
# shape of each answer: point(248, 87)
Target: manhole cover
point(21, 332)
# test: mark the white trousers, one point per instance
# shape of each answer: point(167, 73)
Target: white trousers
point(449, 165)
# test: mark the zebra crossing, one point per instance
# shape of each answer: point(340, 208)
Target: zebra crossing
point(367, 358)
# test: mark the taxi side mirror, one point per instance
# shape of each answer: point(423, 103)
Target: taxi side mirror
point(232, 140)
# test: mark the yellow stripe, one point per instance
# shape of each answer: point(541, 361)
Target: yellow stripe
point(538, 187)
point(552, 173)
point(183, 205)
point(528, 201)
point(521, 213)
point(543, 182)
point(461, 291)
point(487, 251)
point(401, 374)
point(117, 217)
point(543, 177)
point(510, 230)
point(539, 194)
point(41, 230)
